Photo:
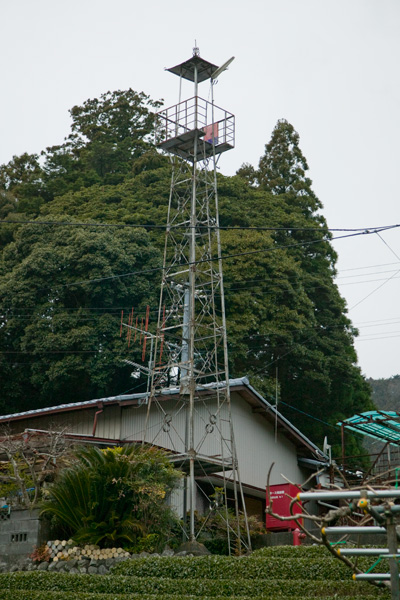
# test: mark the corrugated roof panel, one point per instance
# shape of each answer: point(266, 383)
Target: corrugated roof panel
point(378, 424)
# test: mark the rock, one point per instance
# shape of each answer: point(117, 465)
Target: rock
point(94, 562)
point(70, 564)
point(60, 565)
point(194, 548)
point(32, 567)
point(53, 566)
point(23, 563)
point(92, 570)
point(102, 570)
point(167, 551)
point(74, 571)
point(144, 554)
point(3, 567)
point(109, 562)
point(83, 562)
point(82, 569)
point(14, 569)
point(43, 566)
point(182, 553)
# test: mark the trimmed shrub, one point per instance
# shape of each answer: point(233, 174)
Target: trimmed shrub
point(161, 587)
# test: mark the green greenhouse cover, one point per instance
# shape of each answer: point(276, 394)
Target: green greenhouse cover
point(378, 424)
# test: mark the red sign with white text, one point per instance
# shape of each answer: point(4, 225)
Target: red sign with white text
point(281, 496)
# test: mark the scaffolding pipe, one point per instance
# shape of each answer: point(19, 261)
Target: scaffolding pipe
point(350, 529)
point(348, 494)
point(362, 551)
point(372, 576)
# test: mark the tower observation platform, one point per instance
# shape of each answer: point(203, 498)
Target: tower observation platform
point(195, 129)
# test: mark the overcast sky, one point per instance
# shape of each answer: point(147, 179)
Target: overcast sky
point(331, 68)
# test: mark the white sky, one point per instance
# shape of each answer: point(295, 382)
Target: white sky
point(331, 68)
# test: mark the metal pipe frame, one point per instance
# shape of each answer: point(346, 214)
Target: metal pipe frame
point(348, 494)
point(362, 551)
point(371, 576)
point(353, 529)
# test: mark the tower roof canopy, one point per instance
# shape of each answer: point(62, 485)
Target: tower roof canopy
point(186, 69)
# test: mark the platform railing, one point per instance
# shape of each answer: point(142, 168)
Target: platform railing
point(195, 114)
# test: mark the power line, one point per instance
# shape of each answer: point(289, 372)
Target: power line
point(352, 433)
point(373, 339)
point(307, 414)
point(242, 285)
point(230, 291)
point(369, 267)
point(221, 227)
point(385, 282)
point(225, 257)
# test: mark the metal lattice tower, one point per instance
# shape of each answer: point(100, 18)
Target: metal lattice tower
point(190, 345)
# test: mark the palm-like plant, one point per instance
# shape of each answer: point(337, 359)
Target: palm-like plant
point(113, 496)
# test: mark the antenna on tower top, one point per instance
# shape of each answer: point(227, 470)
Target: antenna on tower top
point(196, 49)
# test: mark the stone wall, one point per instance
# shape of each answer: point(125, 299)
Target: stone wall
point(20, 533)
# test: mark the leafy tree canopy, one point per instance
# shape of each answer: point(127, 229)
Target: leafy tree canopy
point(62, 295)
point(287, 322)
point(108, 134)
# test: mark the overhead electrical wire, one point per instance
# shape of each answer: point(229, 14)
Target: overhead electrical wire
point(185, 226)
point(242, 285)
point(224, 257)
point(386, 281)
point(229, 291)
point(358, 232)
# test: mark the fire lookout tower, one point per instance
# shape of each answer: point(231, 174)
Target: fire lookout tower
point(189, 360)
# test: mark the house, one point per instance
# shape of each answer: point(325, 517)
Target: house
point(262, 435)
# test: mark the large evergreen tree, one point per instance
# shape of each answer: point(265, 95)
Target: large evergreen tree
point(318, 376)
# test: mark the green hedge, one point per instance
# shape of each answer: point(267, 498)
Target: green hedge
point(224, 567)
point(275, 573)
point(39, 582)
point(29, 595)
point(316, 551)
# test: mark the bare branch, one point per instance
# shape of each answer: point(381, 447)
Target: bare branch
point(32, 457)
